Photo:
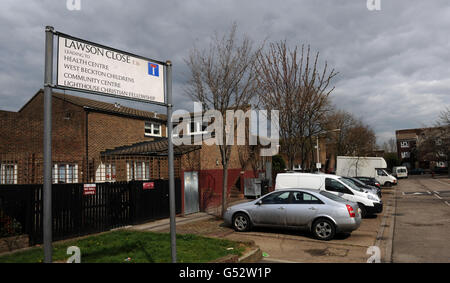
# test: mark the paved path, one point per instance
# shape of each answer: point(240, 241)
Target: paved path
point(422, 223)
point(296, 246)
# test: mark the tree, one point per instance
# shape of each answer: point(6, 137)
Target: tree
point(355, 138)
point(391, 159)
point(292, 82)
point(223, 78)
point(434, 144)
point(278, 164)
point(390, 146)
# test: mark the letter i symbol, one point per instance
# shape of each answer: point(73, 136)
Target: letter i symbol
point(153, 69)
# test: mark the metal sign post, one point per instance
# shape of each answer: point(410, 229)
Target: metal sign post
point(173, 235)
point(47, 198)
point(141, 80)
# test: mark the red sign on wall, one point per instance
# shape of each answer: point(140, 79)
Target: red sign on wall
point(89, 189)
point(149, 186)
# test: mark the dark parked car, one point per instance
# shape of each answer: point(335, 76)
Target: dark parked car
point(369, 181)
point(441, 170)
point(417, 171)
point(364, 186)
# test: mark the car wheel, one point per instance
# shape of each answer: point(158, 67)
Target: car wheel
point(241, 222)
point(323, 229)
point(363, 210)
point(388, 184)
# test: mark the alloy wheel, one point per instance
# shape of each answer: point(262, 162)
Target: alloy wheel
point(323, 230)
point(241, 223)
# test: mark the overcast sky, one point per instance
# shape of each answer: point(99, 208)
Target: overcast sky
point(393, 64)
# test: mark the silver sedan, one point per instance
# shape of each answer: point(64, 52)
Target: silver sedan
point(321, 212)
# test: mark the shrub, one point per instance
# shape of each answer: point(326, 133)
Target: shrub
point(9, 226)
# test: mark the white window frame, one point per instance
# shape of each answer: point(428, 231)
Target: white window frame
point(102, 176)
point(441, 164)
point(56, 170)
point(152, 126)
point(406, 154)
point(4, 176)
point(297, 167)
point(132, 170)
point(198, 128)
point(404, 144)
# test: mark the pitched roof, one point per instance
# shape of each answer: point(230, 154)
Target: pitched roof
point(157, 147)
point(103, 106)
point(4, 113)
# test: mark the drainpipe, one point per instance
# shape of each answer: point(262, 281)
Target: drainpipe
point(86, 178)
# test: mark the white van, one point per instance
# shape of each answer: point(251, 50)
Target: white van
point(369, 202)
point(400, 172)
point(373, 167)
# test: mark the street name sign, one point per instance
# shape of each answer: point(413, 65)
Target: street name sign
point(90, 67)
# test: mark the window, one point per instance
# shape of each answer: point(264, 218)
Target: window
point(332, 196)
point(196, 128)
point(138, 171)
point(297, 167)
point(8, 173)
point(106, 172)
point(441, 164)
point(277, 198)
point(406, 155)
point(152, 129)
point(304, 198)
point(381, 172)
point(65, 173)
point(351, 184)
point(336, 186)
point(110, 172)
point(404, 144)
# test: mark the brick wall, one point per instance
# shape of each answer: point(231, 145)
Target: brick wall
point(106, 131)
point(21, 140)
point(22, 137)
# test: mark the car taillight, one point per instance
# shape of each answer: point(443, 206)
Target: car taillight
point(351, 212)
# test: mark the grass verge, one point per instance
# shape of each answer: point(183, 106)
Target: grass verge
point(140, 247)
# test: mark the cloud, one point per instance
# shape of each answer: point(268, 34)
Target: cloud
point(392, 64)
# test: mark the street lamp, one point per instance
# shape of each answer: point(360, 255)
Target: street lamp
point(317, 146)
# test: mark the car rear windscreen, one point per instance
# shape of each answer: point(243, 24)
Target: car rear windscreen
point(333, 196)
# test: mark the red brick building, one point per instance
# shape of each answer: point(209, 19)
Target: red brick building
point(81, 129)
point(94, 141)
point(408, 144)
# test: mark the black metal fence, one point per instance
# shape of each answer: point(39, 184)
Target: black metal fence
point(77, 212)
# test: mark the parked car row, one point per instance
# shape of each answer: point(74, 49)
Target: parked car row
point(324, 204)
point(373, 167)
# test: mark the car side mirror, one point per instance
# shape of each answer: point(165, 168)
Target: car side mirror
point(259, 202)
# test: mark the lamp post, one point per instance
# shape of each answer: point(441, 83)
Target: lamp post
point(317, 146)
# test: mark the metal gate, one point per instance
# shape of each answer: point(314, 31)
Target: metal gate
point(75, 214)
point(191, 203)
